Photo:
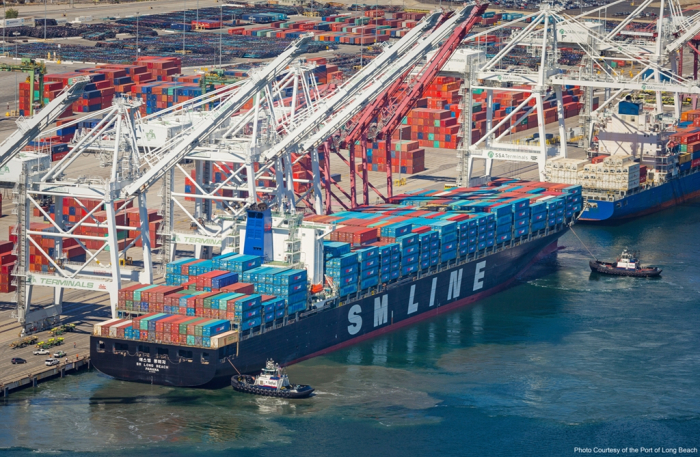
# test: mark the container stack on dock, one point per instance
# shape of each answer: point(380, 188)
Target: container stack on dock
point(423, 229)
point(73, 212)
point(373, 26)
point(406, 157)
point(436, 122)
point(7, 265)
point(108, 81)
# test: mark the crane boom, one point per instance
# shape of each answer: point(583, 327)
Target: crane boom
point(211, 122)
point(370, 113)
point(692, 31)
point(30, 128)
point(353, 86)
point(436, 63)
point(308, 140)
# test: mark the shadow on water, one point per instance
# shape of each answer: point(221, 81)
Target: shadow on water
point(96, 400)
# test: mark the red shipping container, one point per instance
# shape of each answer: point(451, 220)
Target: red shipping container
point(240, 287)
point(364, 236)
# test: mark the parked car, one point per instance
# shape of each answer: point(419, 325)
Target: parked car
point(59, 354)
point(51, 362)
point(16, 360)
point(41, 352)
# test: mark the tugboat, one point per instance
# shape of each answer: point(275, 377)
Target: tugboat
point(626, 265)
point(272, 382)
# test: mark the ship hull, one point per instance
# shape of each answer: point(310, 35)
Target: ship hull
point(400, 304)
point(657, 198)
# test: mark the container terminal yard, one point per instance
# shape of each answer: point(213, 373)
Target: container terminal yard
point(146, 153)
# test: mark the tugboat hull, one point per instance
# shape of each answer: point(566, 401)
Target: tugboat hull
point(607, 268)
point(245, 384)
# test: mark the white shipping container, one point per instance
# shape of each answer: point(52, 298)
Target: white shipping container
point(97, 328)
point(224, 339)
point(113, 329)
point(13, 169)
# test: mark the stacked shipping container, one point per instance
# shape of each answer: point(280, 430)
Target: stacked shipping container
point(107, 81)
point(207, 293)
point(72, 212)
point(423, 229)
point(7, 265)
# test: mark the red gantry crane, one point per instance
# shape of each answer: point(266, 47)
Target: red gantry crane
point(369, 115)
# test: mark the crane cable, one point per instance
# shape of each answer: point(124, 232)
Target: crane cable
point(584, 244)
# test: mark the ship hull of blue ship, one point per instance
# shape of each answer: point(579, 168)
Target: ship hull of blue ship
point(657, 198)
point(404, 303)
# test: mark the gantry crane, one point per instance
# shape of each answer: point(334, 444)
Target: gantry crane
point(29, 128)
point(134, 171)
point(550, 77)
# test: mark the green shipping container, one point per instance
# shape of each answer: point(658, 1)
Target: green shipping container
point(137, 292)
point(183, 325)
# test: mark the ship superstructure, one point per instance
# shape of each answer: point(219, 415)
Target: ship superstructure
point(641, 163)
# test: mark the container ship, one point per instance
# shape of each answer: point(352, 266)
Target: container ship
point(301, 287)
point(640, 164)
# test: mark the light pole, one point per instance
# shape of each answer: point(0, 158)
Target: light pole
point(4, 25)
point(137, 36)
point(184, 25)
point(44, 20)
point(362, 46)
point(221, 36)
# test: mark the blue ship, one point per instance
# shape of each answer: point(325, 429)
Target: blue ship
point(676, 191)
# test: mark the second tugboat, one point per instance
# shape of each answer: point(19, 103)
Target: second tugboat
point(626, 265)
point(272, 382)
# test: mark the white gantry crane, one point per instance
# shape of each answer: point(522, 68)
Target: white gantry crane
point(243, 141)
point(114, 141)
point(118, 142)
point(657, 61)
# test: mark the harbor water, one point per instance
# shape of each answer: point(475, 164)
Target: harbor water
point(564, 363)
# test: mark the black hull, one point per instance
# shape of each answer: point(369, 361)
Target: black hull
point(400, 304)
point(608, 269)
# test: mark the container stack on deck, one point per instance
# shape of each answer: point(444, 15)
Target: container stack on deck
point(417, 232)
point(687, 141)
point(423, 229)
point(230, 291)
